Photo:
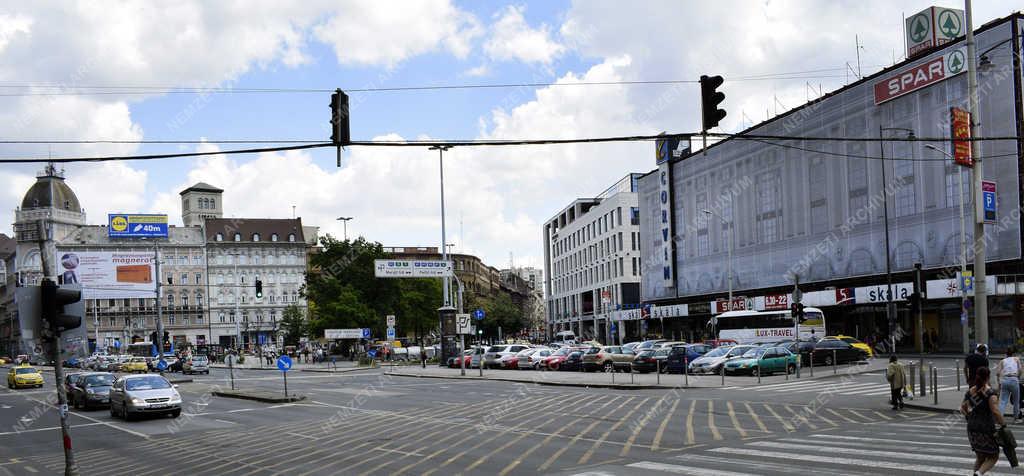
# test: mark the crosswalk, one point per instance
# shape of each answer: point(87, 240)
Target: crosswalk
point(845, 387)
point(936, 445)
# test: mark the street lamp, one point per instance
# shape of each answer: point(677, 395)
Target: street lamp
point(446, 281)
point(345, 220)
point(729, 223)
point(984, 63)
point(963, 248)
point(890, 306)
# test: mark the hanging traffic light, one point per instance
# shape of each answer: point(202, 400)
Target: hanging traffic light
point(54, 315)
point(339, 118)
point(710, 98)
point(259, 289)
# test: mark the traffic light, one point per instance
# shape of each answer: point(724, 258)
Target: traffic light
point(259, 289)
point(710, 98)
point(53, 301)
point(339, 118)
point(915, 302)
point(797, 309)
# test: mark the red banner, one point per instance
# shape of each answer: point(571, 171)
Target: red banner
point(960, 129)
point(776, 302)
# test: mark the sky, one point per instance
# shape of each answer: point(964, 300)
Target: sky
point(114, 64)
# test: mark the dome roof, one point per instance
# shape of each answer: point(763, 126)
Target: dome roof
point(51, 191)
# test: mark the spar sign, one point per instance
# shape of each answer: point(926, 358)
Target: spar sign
point(925, 74)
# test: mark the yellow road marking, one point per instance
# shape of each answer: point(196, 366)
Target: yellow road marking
point(689, 423)
point(735, 422)
point(800, 417)
point(884, 416)
point(840, 415)
point(661, 428)
point(711, 421)
point(576, 438)
point(757, 419)
point(522, 424)
point(785, 424)
point(586, 456)
point(641, 424)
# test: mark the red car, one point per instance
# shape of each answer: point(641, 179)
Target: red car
point(510, 362)
point(552, 361)
point(467, 356)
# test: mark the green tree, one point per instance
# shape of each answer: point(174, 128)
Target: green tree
point(293, 325)
point(500, 312)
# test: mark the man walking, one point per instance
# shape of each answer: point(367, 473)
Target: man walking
point(976, 360)
point(897, 380)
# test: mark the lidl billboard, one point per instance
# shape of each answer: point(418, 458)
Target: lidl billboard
point(123, 225)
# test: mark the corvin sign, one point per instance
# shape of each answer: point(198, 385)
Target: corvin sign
point(930, 72)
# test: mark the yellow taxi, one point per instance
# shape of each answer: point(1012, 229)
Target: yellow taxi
point(853, 343)
point(24, 376)
point(136, 364)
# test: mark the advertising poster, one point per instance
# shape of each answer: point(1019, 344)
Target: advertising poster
point(109, 274)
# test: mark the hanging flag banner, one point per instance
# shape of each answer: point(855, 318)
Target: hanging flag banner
point(960, 131)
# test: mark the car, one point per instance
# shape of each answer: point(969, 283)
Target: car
point(69, 379)
point(24, 375)
point(133, 395)
point(834, 351)
point(631, 345)
point(196, 364)
point(852, 341)
point(609, 358)
point(573, 362)
point(466, 355)
point(135, 365)
point(802, 349)
point(714, 343)
point(492, 358)
point(647, 344)
point(91, 389)
point(511, 362)
point(763, 361)
point(533, 358)
point(680, 356)
point(650, 361)
point(554, 361)
point(667, 344)
point(711, 362)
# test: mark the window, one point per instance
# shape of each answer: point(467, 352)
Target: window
point(186, 204)
point(817, 186)
point(702, 220)
point(184, 278)
point(903, 170)
point(291, 237)
point(273, 237)
point(212, 204)
point(184, 300)
point(170, 299)
point(199, 299)
point(238, 237)
point(952, 179)
point(769, 207)
point(221, 317)
point(199, 278)
point(255, 237)
point(170, 319)
point(256, 259)
point(634, 216)
point(220, 237)
point(634, 266)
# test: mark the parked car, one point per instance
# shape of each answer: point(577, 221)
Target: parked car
point(133, 395)
point(852, 341)
point(135, 365)
point(196, 364)
point(492, 358)
point(610, 358)
point(827, 351)
point(24, 375)
point(573, 362)
point(533, 358)
point(667, 344)
point(720, 342)
point(553, 361)
point(466, 355)
point(511, 362)
point(802, 349)
point(631, 346)
point(91, 389)
point(763, 361)
point(680, 356)
point(647, 344)
point(650, 361)
point(711, 362)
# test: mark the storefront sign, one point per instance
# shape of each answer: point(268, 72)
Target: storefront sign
point(925, 74)
point(664, 154)
point(776, 302)
point(960, 131)
point(873, 294)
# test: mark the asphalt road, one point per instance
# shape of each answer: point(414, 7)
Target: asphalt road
point(369, 423)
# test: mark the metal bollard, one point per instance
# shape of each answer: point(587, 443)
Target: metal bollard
point(935, 386)
point(723, 374)
point(958, 375)
point(921, 374)
point(758, 373)
point(613, 374)
point(835, 363)
point(812, 363)
point(631, 376)
point(686, 371)
point(911, 380)
point(657, 368)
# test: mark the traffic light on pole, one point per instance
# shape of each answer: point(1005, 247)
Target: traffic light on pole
point(797, 309)
point(915, 302)
point(53, 301)
point(339, 118)
point(710, 98)
point(259, 289)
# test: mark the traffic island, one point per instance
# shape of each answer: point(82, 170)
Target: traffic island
point(258, 396)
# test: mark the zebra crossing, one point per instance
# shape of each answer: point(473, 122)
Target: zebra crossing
point(842, 386)
point(936, 445)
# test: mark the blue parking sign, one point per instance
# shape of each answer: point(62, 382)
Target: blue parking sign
point(988, 201)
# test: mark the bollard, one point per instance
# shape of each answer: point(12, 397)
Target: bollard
point(911, 380)
point(759, 372)
point(935, 386)
point(921, 374)
point(723, 374)
point(812, 363)
point(835, 363)
point(657, 368)
point(958, 375)
point(613, 375)
point(686, 370)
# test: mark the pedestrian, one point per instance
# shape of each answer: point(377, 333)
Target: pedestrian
point(976, 360)
point(1008, 375)
point(897, 380)
point(935, 340)
point(981, 407)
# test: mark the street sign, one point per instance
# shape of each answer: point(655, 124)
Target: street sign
point(967, 282)
point(372, 353)
point(284, 363)
point(366, 333)
point(988, 201)
point(161, 365)
point(463, 324)
point(407, 268)
point(391, 333)
point(479, 314)
point(344, 333)
point(117, 344)
point(960, 131)
point(391, 320)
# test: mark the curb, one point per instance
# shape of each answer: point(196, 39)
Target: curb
point(184, 380)
point(339, 371)
point(930, 408)
point(619, 386)
point(258, 398)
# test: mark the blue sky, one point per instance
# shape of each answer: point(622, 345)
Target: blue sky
point(501, 196)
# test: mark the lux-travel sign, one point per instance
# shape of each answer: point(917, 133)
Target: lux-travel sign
point(925, 74)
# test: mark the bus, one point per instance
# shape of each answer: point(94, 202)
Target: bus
point(145, 349)
point(754, 327)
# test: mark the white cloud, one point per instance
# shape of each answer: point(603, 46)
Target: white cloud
point(387, 33)
point(11, 26)
point(478, 71)
point(513, 39)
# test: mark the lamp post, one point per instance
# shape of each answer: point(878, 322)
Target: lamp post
point(446, 281)
point(963, 248)
point(344, 221)
point(729, 223)
point(890, 305)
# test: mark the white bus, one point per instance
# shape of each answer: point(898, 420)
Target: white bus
point(753, 327)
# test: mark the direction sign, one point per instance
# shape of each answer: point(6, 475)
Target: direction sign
point(391, 320)
point(161, 365)
point(117, 344)
point(356, 333)
point(988, 201)
point(366, 333)
point(372, 353)
point(391, 333)
point(463, 324)
point(408, 268)
point(479, 314)
point(284, 363)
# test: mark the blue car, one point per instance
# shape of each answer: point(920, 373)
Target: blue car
point(681, 355)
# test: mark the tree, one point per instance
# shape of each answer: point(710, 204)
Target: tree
point(293, 325)
point(500, 312)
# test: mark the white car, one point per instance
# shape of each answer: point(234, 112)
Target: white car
point(711, 362)
point(531, 358)
point(492, 358)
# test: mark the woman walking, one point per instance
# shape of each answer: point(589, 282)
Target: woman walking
point(1008, 372)
point(897, 380)
point(981, 407)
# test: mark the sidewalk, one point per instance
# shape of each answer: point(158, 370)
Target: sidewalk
point(251, 363)
point(633, 381)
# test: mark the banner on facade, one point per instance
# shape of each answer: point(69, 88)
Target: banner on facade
point(109, 274)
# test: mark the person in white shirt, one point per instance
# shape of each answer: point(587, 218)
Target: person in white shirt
point(1008, 371)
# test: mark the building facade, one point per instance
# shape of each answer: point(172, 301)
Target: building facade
point(813, 211)
point(592, 263)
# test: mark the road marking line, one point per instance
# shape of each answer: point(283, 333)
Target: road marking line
point(593, 447)
point(757, 419)
point(664, 423)
point(641, 424)
point(785, 424)
point(874, 463)
point(859, 415)
point(883, 440)
point(863, 452)
point(225, 421)
point(884, 416)
point(689, 423)
point(840, 415)
point(801, 418)
point(674, 468)
point(573, 441)
point(711, 421)
point(735, 422)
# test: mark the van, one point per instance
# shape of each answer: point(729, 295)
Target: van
point(565, 337)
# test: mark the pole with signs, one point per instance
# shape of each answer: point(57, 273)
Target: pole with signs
point(798, 296)
point(284, 364)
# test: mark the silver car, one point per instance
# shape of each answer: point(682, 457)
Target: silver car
point(711, 362)
point(492, 358)
point(133, 395)
point(196, 364)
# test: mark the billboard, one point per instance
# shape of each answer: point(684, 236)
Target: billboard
point(109, 274)
point(409, 268)
point(814, 208)
point(122, 225)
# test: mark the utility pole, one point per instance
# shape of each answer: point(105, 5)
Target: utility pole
point(980, 295)
point(446, 281)
point(159, 306)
